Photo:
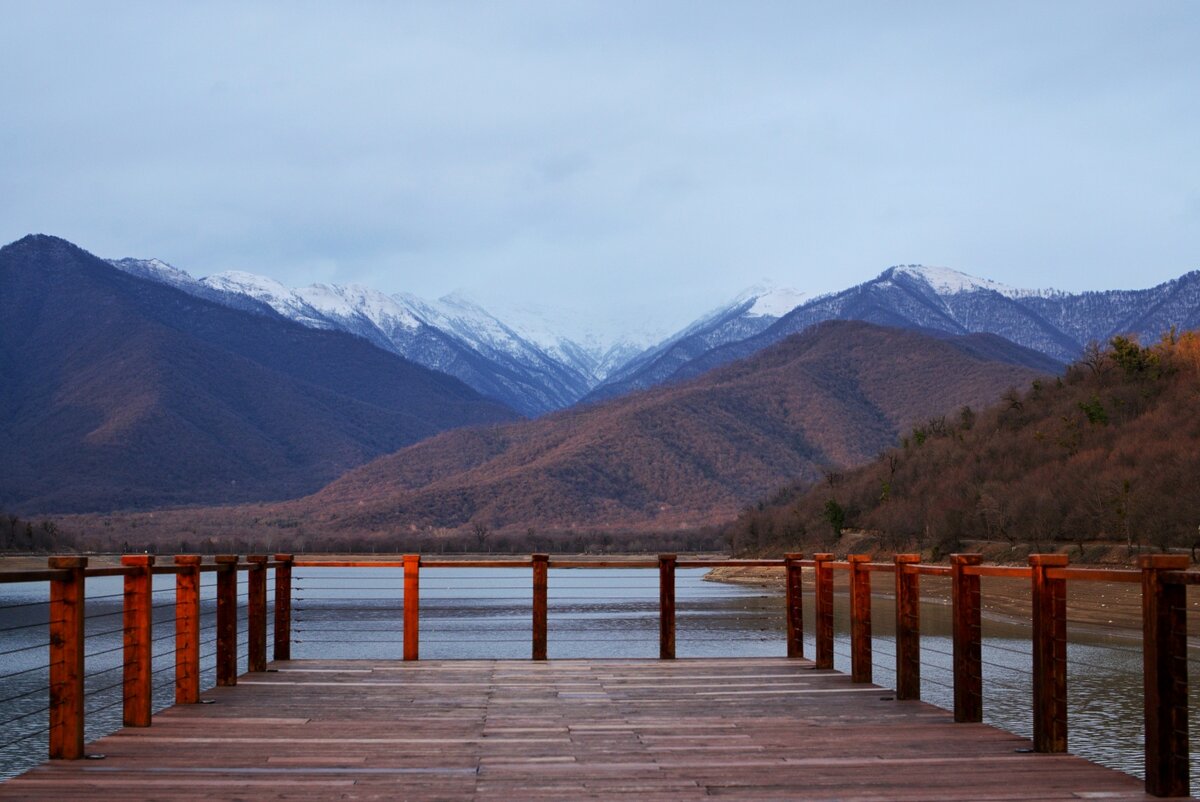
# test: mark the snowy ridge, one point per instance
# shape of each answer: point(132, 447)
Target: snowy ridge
point(946, 281)
point(750, 313)
point(452, 335)
point(521, 356)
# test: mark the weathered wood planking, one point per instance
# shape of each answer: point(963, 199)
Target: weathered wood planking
point(568, 729)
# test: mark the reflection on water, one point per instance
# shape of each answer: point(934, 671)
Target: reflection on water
point(485, 614)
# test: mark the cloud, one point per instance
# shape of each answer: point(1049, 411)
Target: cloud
point(577, 153)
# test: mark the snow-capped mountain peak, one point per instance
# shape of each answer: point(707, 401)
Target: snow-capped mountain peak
point(946, 281)
point(155, 270)
point(770, 300)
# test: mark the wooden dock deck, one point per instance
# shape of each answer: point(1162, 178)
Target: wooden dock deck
point(565, 729)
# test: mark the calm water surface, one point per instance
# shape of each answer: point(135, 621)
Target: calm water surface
point(485, 614)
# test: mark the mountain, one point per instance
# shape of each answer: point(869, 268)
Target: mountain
point(679, 455)
point(453, 335)
point(749, 314)
point(1108, 454)
point(1056, 324)
point(122, 392)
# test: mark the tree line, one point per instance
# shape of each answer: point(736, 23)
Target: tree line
point(1107, 452)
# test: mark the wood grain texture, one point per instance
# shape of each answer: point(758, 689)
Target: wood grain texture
point(563, 729)
point(66, 658)
point(137, 617)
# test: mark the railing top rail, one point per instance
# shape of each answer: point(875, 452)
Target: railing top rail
point(1010, 571)
point(350, 564)
point(603, 563)
point(730, 563)
point(928, 570)
point(1072, 573)
point(525, 563)
point(35, 575)
point(1096, 574)
point(115, 570)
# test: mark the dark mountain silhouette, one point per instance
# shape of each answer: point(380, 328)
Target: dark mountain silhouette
point(118, 392)
point(680, 455)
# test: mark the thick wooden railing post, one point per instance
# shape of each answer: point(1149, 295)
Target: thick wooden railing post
point(666, 606)
point(226, 619)
point(283, 607)
point(66, 658)
point(1049, 601)
point(1164, 666)
point(823, 608)
point(795, 605)
point(412, 606)
point(187, 630)
point(256, 613)
point(137, 617)
point(968, 643)
point(908, 628)
point(860, 618)
point(540, 566)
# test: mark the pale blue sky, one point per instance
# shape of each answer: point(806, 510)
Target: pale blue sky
point(567, 152)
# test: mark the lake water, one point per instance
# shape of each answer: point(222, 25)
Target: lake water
point(613, 613)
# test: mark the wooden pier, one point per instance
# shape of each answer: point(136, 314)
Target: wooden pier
point(758, 728)
point(564, 729)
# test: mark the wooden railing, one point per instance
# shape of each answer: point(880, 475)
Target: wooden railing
point(1163, 581)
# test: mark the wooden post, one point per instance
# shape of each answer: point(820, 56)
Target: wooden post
point(666, 606)
point(1049, 601)
point(968, 645)
point(283, 606)
point(256, 613)
point(226, 619)
point(795, 606)
point(860, 618)
point(1164, 666)
point(412, 606)
point(824, 610)
point(908, 628)
point(540, 566)
point(66, 658)
point(187, 630)
point(137, 615)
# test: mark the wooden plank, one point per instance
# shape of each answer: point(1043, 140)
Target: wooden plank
point(908, 628)
point(860, 618)
point(1049, 603)
point(256, 613)
point(227, 629)
point(137, 618)
point(412, 606)
point(539, 605)
point(187, 629)
point(794, 603)
point(67, 601)
point(967, 639)
point(823, 578)
point(283, 607)
point(666, 606)
point(491, 733)
point(1164, 666)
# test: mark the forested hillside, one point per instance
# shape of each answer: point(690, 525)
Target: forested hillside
point(1109, 452)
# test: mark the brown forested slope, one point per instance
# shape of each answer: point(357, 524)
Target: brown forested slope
point(1109, 453)
point(681, 455)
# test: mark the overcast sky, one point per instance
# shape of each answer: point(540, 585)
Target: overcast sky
point(620, 163)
